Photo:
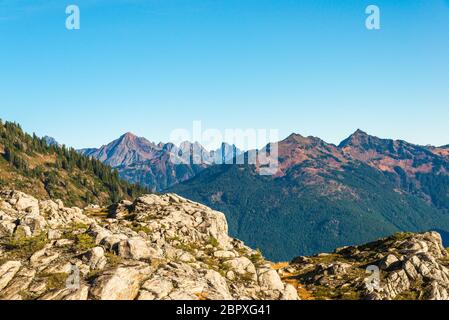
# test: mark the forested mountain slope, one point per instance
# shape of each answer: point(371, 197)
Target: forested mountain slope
point(28, 163)
point(325, 196)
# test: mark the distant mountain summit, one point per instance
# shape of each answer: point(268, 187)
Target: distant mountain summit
point(141, 161)
point(126, 150)
point(297, 150)
point(391, 155)
point(159, 166)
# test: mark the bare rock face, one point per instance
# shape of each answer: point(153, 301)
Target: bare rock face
point(7, 272)
point(388, 261)
point(23, 279)
point(269, 279)
point(159, 247)
point(122, 283)
point(95, 258)
point(134, 248)
point(7, 225)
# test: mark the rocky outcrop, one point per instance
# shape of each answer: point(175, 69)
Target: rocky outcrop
point(164, 247)
point(160, 247)
point(403, 266)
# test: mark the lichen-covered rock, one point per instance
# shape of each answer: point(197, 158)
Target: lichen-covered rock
point(167, 247)
point(224, 254)
point(156, 288)
point(35, 222)
point(134, 248)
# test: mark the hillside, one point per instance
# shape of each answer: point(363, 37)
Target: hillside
point(28, 163)
point(325, 196)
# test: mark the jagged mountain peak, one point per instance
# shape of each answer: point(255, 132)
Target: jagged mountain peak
point(389, 155)
point(132, 156)
point(296, 139)
point(293, 136)
point(130, 137)
point(127, 149)
point(297, 149)
point(360, 132)
point(142, 161)
point(359, 139)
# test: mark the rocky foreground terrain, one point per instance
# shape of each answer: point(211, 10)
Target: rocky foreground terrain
point(164, 247)
point(158, 247)
point(405, 266)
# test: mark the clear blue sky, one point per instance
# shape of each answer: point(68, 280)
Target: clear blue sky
point(149, 67)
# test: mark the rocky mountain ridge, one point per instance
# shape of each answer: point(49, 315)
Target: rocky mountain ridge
point(158, 166)
point(388, 155)
point(157, 247)
point(136, 157)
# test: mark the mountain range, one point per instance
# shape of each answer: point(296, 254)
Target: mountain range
point(160, 247)
point(326, 196)
point(322, 195)
point(158, 166)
